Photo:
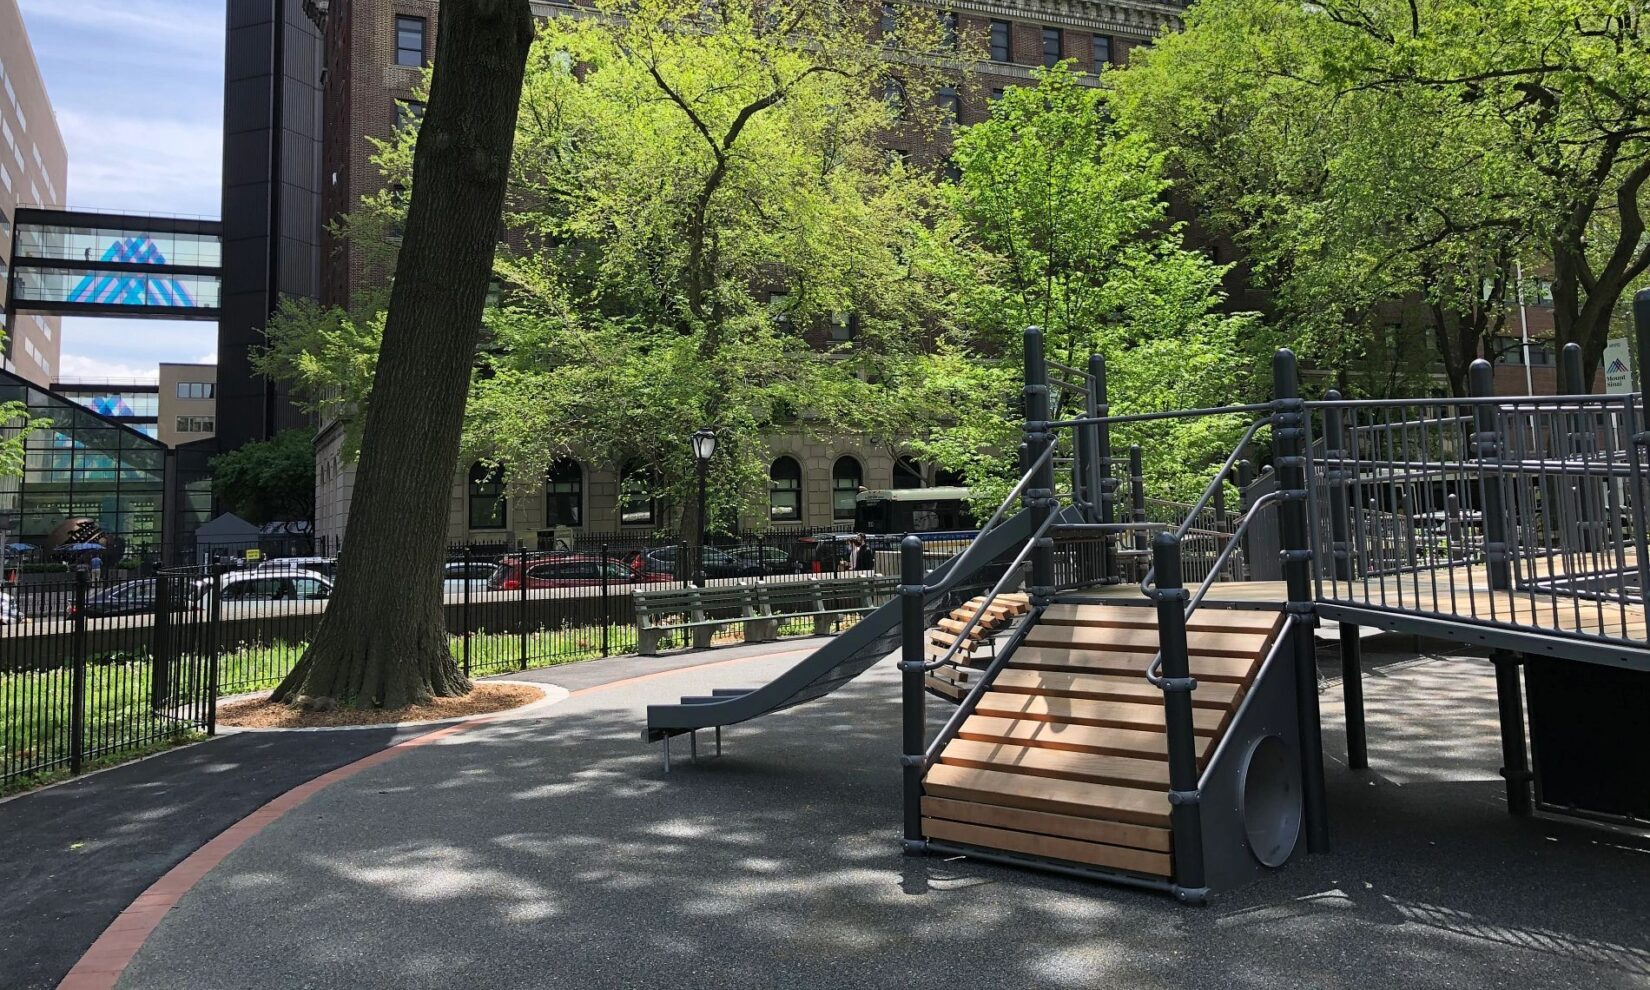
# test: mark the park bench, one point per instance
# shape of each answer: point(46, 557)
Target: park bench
point(760, 608)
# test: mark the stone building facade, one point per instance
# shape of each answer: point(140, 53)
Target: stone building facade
point(375, 51)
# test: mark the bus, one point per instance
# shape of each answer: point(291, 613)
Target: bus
point(931, 513)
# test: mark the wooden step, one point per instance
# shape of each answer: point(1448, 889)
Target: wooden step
point(945, 688)
point(1204, 618)
point(1139, 743)
point(1065, 826)
point(1049, 847)
point(956, 627)
point(1227, 670)
point(1144, 640)
point(1105, 687)
point(1078, 711)
point(1131, 805)
point(1123, 771)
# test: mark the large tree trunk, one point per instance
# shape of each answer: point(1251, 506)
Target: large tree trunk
point(383, 641)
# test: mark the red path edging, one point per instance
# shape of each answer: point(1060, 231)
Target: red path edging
point(103, 964)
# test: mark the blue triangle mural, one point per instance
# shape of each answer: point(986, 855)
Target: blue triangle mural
point(132, 290)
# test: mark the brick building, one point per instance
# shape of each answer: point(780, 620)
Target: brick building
point(374, 54)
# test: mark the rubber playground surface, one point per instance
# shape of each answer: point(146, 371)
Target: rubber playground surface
point(555, 852)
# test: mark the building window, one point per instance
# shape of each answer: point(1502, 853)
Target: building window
point(893, 94)
point(785, 490)
point(196, 424)
point(996, 93)
point(907, 473)
point(564, 494)
point(889, 22)
point(196, 390)
point(1000, 51)
point(948, 29)
point(1102, 51)
point(488, 506)
point(638, 496)
point(1053, 47)
point(409, 41)
point(847, 478)
point(408, 113)
point(944, 478)
point(844, 326)
point(949, 104)
point(779, 306)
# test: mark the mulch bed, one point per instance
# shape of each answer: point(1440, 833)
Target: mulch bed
point(261, 713)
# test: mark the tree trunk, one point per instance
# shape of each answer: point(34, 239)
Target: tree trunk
point(383, 641)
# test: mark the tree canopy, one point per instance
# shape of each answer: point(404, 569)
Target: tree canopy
point(270, 480)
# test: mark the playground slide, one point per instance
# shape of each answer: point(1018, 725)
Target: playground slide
point(842, 659)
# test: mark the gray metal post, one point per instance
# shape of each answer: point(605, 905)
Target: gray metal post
point(1040, 493)
point(1106, 486)
point(1185, 816)
point(1137, 495)
point(1340, 528)
point(1487, 448)
point(914, 728)
point(1289, 438)
point(77, 701)
point(1093, 467)
point(1515, 762)
point(1578, 425)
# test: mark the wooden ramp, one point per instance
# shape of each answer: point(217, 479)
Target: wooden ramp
point(1065, 756)
point(955, 679)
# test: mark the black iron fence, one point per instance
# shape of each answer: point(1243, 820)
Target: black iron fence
point(106, 662)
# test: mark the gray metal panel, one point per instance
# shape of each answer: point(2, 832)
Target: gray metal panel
point(836, 663)
point(1268, 708)
point(1463, 630)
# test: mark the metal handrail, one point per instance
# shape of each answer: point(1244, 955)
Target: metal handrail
point(997, 589)
point(1208, 494)
point(1154, 669)
point(1252, 407)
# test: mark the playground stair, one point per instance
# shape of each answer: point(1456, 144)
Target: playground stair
point(954, 679)
point(1065, 756)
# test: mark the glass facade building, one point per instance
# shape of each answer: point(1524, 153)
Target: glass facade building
point(82, 466)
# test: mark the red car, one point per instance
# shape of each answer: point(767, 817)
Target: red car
point(565, 570)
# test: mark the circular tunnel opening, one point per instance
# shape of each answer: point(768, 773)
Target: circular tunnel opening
point(1270, 795)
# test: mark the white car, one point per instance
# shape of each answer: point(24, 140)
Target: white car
point(327, 567)
point(475, 574)
point(244, 590)
point(9, 612)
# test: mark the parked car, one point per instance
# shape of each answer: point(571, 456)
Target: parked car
point(822, 553)
point(241, 590)
point(564, 570)
point(661, 564)
point(125, 598)
point(473, 574)
point(9, 612)
point(327, 567)
point(770, 560)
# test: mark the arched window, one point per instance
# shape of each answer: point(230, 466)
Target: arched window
point(638, 495)
point(488, 507)
point(847, 476)
point(948, 479)
point(785, 490)
point(907, 473)
point(564, 494)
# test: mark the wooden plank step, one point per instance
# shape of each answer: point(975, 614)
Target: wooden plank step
point(1049, 847)
point(1228, 670)
point(1110, 640)
point(1043, 823)
point(1124, 771)
point(1109, 802)
point(1207, 617)
point(1106, 687)
point(1078, 711)
point(955, 627)
point(1146, 744)
point(945, 688)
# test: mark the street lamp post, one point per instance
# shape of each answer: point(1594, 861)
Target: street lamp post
point(704, 445)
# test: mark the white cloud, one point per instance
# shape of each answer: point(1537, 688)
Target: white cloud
point(211, 358)
point(79, 367)
point(180, 26)
point(145, 166)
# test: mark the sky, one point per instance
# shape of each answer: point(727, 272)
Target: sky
point(138, 90)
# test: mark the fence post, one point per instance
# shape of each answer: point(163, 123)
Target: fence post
point(1292, 459)
point(1340, 550)
point(464, 609)
point(160, 646)
point(914, 728)
point(521, 629)
point(607, 616)
point(77, 710)
point(1039, 439)
point(1579, 427)
point(1185, 815)
point(1105, 484)
point(1487, 448)
point(1137, 495)
point(215, 644)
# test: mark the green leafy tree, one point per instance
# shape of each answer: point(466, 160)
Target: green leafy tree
point(1061, 222)
point(1367, 153)
point(269, 481)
